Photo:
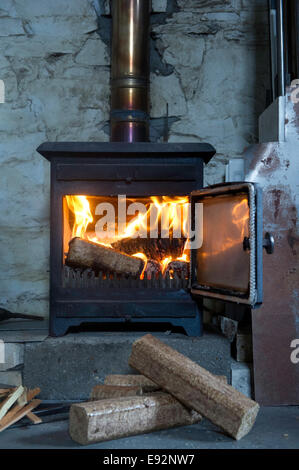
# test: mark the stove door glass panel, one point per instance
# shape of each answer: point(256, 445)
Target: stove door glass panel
point(225, 266)
point(222, 261)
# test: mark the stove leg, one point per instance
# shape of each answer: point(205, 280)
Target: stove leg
point(193, 326)
point(58, 328)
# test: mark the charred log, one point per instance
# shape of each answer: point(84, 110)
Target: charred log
point(153, 248)
point(181, 268)
point(152, 270)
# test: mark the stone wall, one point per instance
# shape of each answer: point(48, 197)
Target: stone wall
point(209, 63)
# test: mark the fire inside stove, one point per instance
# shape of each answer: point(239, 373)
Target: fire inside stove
point(121, 237)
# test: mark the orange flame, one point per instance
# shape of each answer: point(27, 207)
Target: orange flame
point(240, 218)
point(79, 205)
point(167, 212)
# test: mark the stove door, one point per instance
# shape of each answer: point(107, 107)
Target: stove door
point(227, 243)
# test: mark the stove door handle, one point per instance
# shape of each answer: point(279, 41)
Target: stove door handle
point(268, 243)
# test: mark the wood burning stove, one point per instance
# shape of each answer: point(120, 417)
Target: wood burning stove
point(160, 275)
point(227, 265)
point(103, 172)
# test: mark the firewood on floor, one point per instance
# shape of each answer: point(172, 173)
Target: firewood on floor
point(10, 400)
point(86, 254)
point(15, 409)
point(102, 392)
point(121, 417)
point(33, 418)
point(5, 391)
point(194, 386)
point(146, 384)
point(5, 423)
point(131, 380)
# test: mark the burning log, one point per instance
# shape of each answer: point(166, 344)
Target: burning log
point(154, 248)
point(194, 386)
point(86, 254)
point(181, 268)
point(120, 417)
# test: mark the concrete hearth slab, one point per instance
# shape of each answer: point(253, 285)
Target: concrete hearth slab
point(67, 368)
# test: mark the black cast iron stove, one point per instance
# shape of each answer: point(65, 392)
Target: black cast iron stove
point(107, 170)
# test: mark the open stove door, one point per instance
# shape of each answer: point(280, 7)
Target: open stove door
point(227, 243)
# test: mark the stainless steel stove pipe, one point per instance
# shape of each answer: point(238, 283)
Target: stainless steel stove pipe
point(130, 71)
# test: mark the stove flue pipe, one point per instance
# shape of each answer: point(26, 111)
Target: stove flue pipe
point(130, 71)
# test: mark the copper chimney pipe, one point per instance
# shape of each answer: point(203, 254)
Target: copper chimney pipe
point(130, 71)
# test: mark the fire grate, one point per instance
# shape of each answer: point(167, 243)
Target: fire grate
point(87, 279)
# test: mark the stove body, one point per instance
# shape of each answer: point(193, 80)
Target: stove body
point(108, 170)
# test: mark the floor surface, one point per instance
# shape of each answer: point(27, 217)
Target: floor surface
point(275, 428)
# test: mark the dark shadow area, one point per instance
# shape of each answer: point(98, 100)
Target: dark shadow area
point(127, 327)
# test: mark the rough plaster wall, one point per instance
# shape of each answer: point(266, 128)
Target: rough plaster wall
point(219, 51)
point(56, 72)
point(54, 60)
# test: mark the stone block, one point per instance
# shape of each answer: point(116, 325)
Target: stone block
point(241, 378)
point(11, 377)
point(11, 27)
point(159, 6)
point(244, 351)
point(13, 355)
point(167, 90)
point(54, 8)
point(94, 52)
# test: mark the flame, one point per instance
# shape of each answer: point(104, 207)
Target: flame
point(168, 212)
point(240, 215)
point(240, 218)
point(144, 258)
point(79, 205)
point(165, 262)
